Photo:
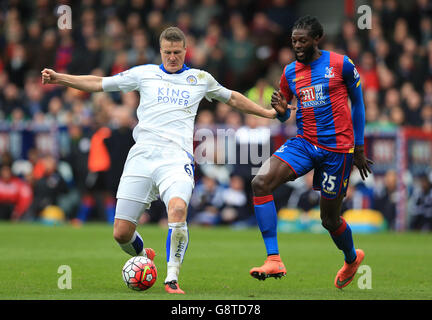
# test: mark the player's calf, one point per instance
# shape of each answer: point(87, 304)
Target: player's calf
point(129, 240)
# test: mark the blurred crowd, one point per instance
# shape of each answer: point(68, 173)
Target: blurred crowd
point(245, 45)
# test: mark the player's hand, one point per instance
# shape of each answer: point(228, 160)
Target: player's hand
point(279, 103)
point(49, 76)
point(361, 162)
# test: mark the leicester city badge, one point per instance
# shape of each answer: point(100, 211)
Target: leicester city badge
point(191, 80)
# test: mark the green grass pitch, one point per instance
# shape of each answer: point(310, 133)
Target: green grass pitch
point(215, 267)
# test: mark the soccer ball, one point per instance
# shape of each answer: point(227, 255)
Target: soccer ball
point(139, 273)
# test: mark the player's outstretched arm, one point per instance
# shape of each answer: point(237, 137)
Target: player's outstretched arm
point(87, 83)
point(242, 103)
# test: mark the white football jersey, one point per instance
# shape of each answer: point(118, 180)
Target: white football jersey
point(168, 101)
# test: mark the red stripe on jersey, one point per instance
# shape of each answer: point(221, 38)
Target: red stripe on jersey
point(303, 79)
point(284, 87)
point(339, 100)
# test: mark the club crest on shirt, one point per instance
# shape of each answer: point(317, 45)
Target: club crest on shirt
point(281, 148)
point(329, 73)
point(191, 79)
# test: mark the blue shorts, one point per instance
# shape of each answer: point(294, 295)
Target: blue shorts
point(331, 169)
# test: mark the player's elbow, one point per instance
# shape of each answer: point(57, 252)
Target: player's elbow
point(234, 100)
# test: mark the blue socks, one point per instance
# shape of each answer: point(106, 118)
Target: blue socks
point(342, 237)
point(265, 212)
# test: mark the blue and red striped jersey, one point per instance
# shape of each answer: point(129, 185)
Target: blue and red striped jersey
point(322, 88)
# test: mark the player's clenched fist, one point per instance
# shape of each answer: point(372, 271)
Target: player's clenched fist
point(48, 76)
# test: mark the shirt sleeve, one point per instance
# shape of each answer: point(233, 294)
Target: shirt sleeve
point(353, 84)
point(284, 87)
point(216, 91)
point(350, 74)
point(124, 81)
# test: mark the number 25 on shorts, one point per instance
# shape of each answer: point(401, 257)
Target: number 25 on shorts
point(328, 182)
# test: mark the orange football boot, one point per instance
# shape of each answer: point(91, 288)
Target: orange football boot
point(272, 267)
point(173, 287)
point(346, 274)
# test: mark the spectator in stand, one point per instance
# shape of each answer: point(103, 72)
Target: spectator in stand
point(16, 195)
point(86, 59)
point(427, 118)
point(64, 51)
point(206, 202)
point(386, 197)
point(412, 109)
point(49, 187)
point(261, 93)
point(33, 41)
point(97, 196)
point(383, 55)
point(205, 12)
point(10, 99)
point(17, 67)
point(140, 52)
point(118, 144)
point(427, 89)
point(236, 205)
point(348, 32)
point(368, 72)
point(421, 218)
point(285, 56)
point(397, 116)
point(46, 52)
point(240, 58)
point(33, 97)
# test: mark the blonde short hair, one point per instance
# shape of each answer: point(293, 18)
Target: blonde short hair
point(173, 34)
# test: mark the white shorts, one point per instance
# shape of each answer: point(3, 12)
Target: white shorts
point(150, 170)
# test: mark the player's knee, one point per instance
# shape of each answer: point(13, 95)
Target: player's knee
point(177, 209)
point(330, 223)
point(121, 233)
point(121, 237)
point(259, 186)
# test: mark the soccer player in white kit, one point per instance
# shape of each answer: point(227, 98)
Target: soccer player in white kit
point(161, 161)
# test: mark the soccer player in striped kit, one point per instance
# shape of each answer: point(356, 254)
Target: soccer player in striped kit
point(330, 139)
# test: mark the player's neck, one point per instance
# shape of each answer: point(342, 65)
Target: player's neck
point(316, 55)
